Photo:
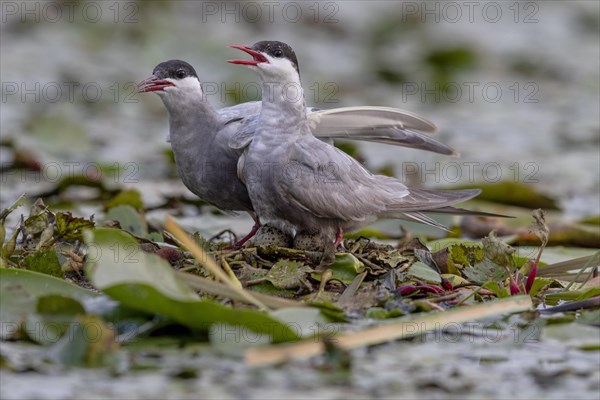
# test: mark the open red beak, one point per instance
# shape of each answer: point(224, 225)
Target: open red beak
point(153, 84)
point(258, 57)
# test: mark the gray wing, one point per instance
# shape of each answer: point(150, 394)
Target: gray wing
point(327, 183)
point(330, 184)
point(244, 118)
point(245, 133)
point(239, 111)
point(357, 117)
point(377, 124)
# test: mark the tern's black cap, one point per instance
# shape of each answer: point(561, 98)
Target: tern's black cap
point(278, 50)
point(175, 69)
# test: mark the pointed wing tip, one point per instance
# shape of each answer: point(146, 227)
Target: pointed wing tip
point(474, 192)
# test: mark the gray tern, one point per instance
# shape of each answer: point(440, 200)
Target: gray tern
point(300, 183)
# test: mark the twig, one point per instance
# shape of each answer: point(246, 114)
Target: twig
point(406, 328)
point(450, 296)
point(229, 271)
point(206, 260)
point(220, 289)
point(473, 293)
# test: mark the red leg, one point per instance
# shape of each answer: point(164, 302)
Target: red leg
point(250, 234)
point(339, 237)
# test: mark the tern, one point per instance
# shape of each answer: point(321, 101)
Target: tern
point(312, 187)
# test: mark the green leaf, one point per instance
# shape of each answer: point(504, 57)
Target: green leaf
point(455, 280)
point(500, 291)
point(129, 219)
point(305, 321)
point(329, 310)
point(466, 253)
point(56, 304)
point(38, 284)
point(591, 317)
point(586, 294)
point(497, 251)
point(286, 274)
point(146, 282)
point(497, 255)
point(20, 294)
point(538, 284)
point(591, 220)
point(392, 258)
point(382, 313)
point(437, 245)
point(268, 288)
point(485, 271)
point(53, 318)
point(513, 193)
point(129, 197)
point(15, 305)
point(16, 204)
point(69, 227)
point(39, 218)
point(90, 342)
point(44, 261)
point(575, 335)
point(345, 268)
point(423, 272)
point(572, 295)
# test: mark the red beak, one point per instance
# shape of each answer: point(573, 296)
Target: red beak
point(258, 57)
point(153, 84)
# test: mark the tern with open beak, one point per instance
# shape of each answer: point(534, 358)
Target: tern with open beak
point(312, 186)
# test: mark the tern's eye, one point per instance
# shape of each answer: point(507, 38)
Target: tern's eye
point(278, 53)
point(180, 74)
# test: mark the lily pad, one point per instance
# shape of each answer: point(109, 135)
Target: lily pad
point(89, 343)
point(53, 318)
point(128, 197)
point(25, 293)
point(576, 335)
point(513, 193)
point(145, 282)
point(37, 284)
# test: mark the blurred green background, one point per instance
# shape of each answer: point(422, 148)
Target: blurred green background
point(513, 86)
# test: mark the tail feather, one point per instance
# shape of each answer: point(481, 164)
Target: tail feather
point(424, 200)
point(424, 219)
point(462, 211)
